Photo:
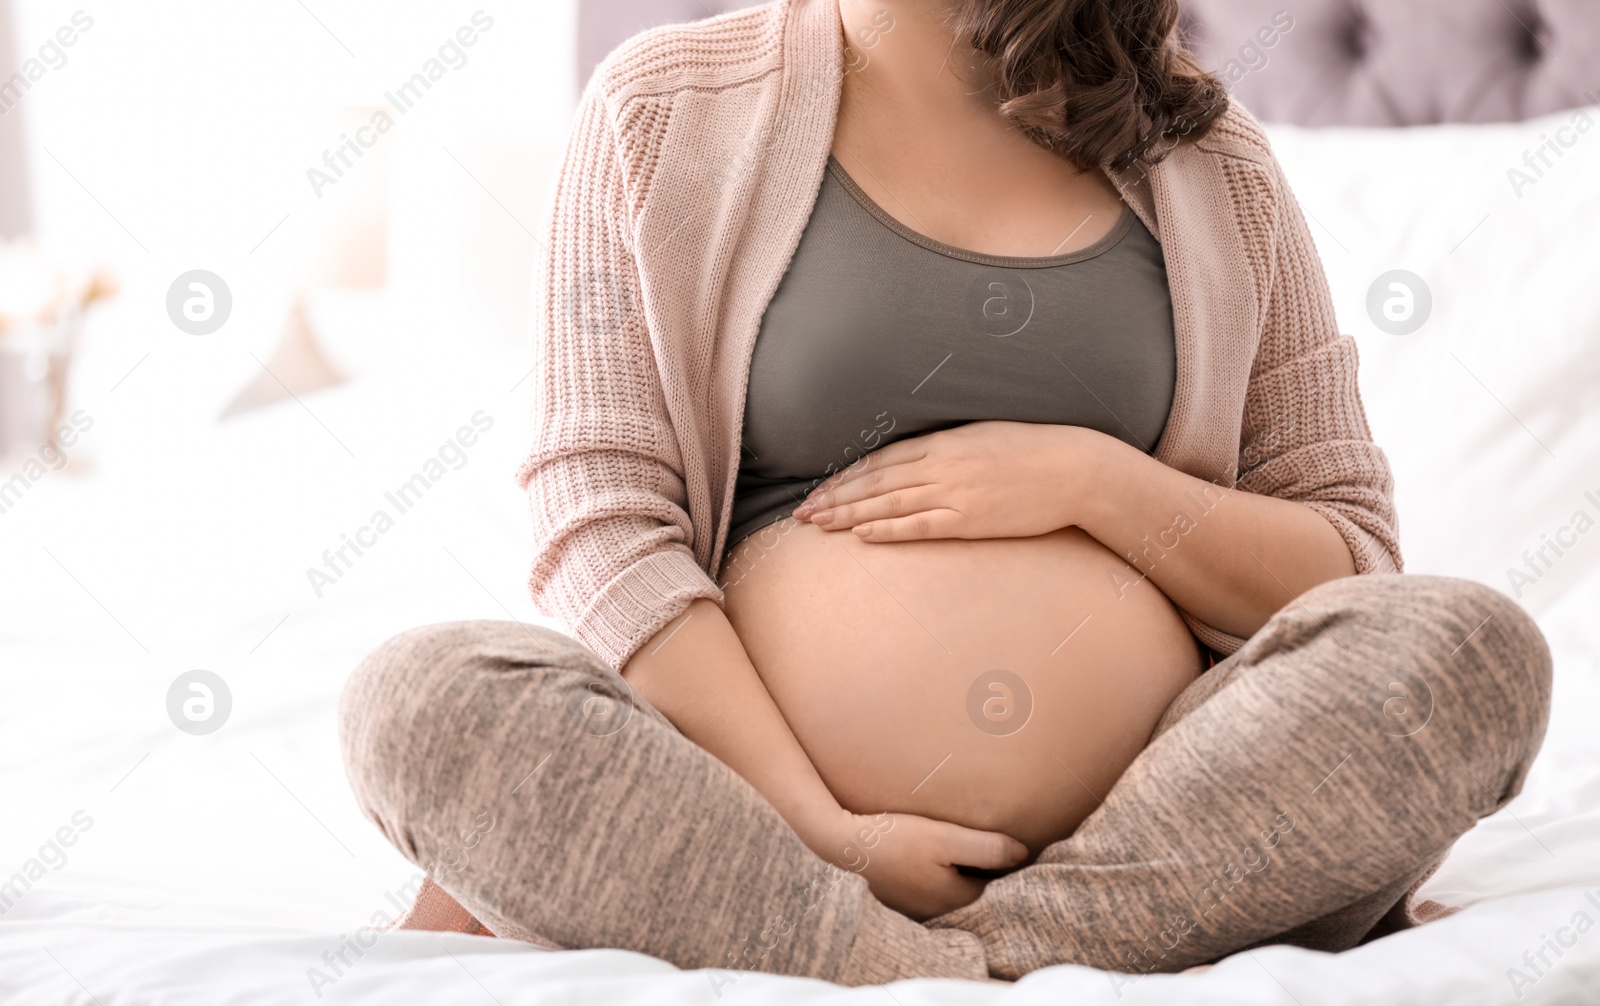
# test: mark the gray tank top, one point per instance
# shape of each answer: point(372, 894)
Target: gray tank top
point(878, 333)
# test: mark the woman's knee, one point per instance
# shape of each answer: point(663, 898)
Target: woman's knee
point(1447, 617)
point(1498, 661)
point(413, 711)
point(392, 684)
point(384, 715)
point(1444, 641)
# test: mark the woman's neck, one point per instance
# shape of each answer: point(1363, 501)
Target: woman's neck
point(905, 53)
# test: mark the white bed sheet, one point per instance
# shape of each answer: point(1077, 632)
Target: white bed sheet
point(221, 868)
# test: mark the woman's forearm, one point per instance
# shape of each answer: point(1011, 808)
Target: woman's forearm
point(1229, 558)
point(696, 672)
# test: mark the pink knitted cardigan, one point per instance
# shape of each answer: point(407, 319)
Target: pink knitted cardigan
point(689, 176)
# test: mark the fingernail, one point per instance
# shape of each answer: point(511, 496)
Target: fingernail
point(804, 510)
point(824, 518)
point(1019, 854)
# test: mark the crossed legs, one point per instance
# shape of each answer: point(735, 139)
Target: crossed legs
point(1297, 792)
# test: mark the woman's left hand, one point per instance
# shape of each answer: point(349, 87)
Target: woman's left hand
point(986, 479)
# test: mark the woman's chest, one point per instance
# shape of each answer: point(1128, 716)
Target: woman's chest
point(878, 333)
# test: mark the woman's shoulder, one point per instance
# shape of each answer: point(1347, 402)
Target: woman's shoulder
point(1236, 133)
point(1233, 144)
point(712, 54)
point(1235, 154)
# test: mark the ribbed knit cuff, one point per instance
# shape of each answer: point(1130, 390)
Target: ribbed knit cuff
point(889, 947)
point(1416, 913)
point(639, 601)
point(1224, 643)
point(1367, 551)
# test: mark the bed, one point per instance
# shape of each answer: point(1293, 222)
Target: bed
point(233, 866)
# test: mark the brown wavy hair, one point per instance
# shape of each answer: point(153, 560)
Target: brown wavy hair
point(1097, 81)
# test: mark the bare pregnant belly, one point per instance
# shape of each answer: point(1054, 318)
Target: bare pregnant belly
point(999, 684)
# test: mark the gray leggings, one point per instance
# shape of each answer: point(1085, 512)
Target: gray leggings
point(1298, 792)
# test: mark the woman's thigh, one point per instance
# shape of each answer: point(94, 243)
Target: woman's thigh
point(1315, 774)
point(531, 783)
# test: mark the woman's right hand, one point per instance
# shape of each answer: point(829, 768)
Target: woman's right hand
point(910, 862)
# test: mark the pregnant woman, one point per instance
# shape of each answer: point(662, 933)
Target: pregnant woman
point(974, 551)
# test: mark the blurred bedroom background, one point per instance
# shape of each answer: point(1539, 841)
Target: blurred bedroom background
point(239, 139)
point(234, 314)
point(266, 263)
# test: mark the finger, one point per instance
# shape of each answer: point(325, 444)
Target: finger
point(987, 850)
point(898, 453)
point(863, 485)
point(897, 502)
point(937, 523)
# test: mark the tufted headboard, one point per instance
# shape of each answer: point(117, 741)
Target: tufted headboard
point(1401, 62)
point(1322, 62)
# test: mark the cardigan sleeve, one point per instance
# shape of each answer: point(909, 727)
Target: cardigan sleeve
point(604, 477)
point(1304, 435)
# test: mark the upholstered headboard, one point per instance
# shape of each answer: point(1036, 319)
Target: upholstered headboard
point(1323, 62)
point(1402, 62)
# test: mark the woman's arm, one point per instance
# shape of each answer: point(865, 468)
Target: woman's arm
point(697, 673)
point(1229, 558)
